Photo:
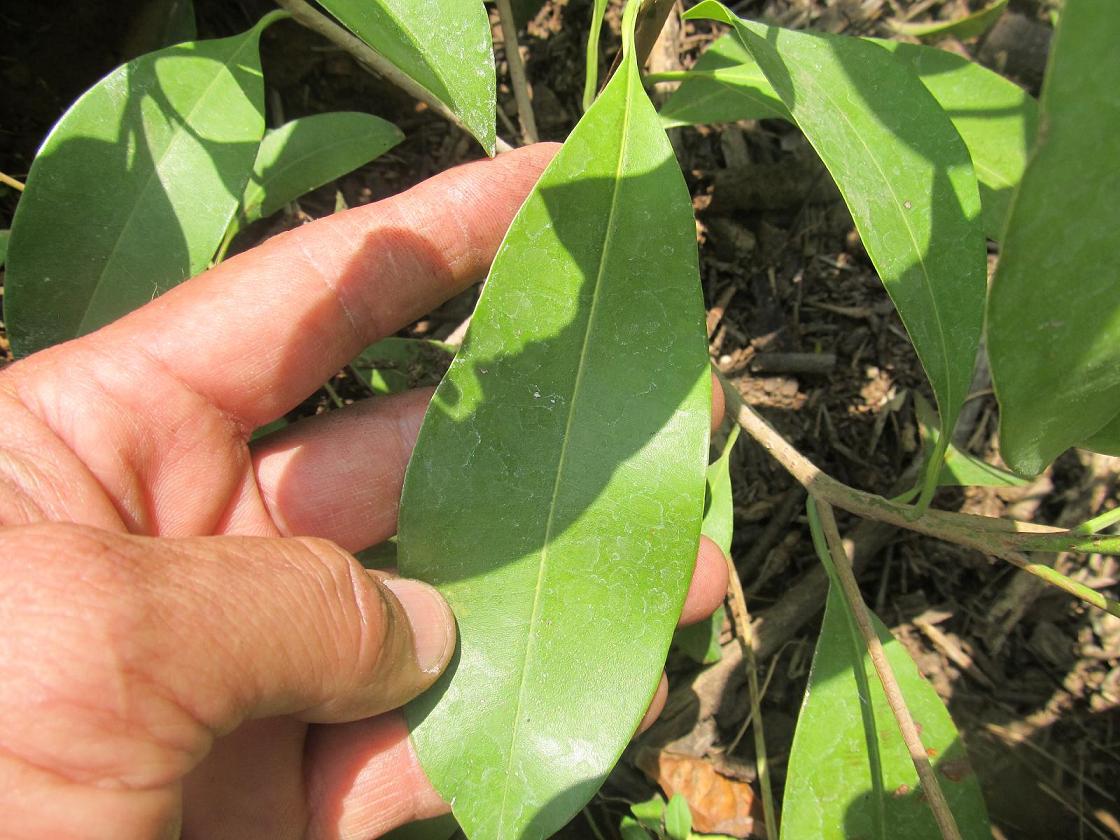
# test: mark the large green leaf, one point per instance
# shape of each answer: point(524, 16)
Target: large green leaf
point(907, 180)
point(701, 641)
point(437, 828)
point(311, 151)
point(1054, 307)
point(556, 490)
point(995, 117)
point(4, 236)
point(134, 187)
point(850, 774)
point(444, 46)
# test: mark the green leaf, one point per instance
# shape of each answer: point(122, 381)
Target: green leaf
point(556, 490)
point(631, 829)
point(726, 85)
point(678, 818)
point(445, 46)
point(969, 26)
point(995, 117)
point(134, 187)
point(906, 177)
point(4, 236)
point(700, 642)
point(959, 468)
point(308, 152)
point(650, 813)
point(850, 774)
point(397, 364)
point(1054, 306)
point(1106, 441)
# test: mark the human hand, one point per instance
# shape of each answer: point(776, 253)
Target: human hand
point(187, 643)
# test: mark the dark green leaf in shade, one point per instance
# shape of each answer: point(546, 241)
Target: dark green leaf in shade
point(850, 774)
point(630, 829)
point(678, 818)
point(582, 397)
point(1105, 441)
point(959, 468)
point(1054, 306)
point(134, 187)
point(311, 151)
point(907, 179)
point(700, 641)
point(397, 364)
point(437, 828)
point(445, 46)
point(4, 235)
point(969, 26)
point(995, 117)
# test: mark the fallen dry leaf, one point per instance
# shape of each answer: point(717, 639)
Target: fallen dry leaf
point(719, 805)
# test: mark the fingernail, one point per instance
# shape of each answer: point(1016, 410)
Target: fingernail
point(433, 625)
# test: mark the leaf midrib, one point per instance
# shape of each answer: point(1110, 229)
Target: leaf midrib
point(580, 368)
point(179, 133)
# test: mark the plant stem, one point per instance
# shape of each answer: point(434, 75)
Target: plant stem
point(651, 20)
point(1002, 538)
point(591, 73)
point(314, 20)
point(517, 74)
point(744, 632)
point(850, 588)
point(1100, 522)
point(8, 180)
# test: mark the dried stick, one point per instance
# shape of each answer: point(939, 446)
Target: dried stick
point(848, 585)
point(1002, 538)
point(744, 632)
point(9, 181)
point(517, 74)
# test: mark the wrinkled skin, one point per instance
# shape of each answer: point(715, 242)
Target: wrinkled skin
point(188, 646)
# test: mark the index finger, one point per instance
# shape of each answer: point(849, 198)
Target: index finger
point(257, 334)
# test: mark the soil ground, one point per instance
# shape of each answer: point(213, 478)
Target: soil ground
point(1031, 677)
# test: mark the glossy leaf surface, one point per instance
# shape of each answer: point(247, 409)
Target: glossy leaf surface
point(850, 774)
point(311, 151)
point(968, 26)
point(906, 177)
point(700, 641)
point(995, 117)
point(1054, 307)
point(134, 188)
point(445, 46)
point(556, 490)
